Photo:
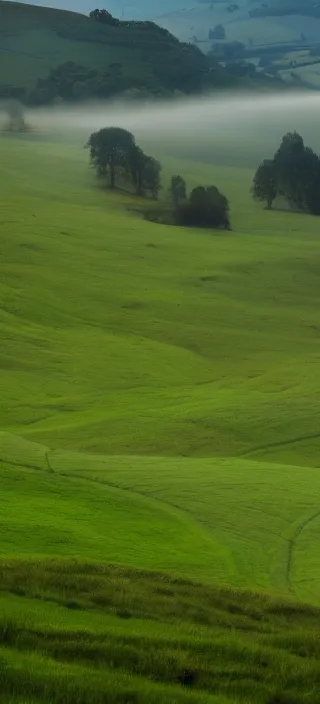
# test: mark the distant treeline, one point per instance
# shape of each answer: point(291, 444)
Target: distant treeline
point(293, 173)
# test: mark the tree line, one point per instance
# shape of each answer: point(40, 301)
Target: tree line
point(118, 160)
point(117, 157)
point(104, 17)
point(293, 173)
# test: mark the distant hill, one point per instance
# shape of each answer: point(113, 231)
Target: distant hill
point(128, 9)
point(252, 22)
point(100, 59)
point(281, 38)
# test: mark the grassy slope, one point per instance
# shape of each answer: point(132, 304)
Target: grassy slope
point(137, 344)
point(309, 74)
point(76, 632)
point(207, 346)
point(30, 45)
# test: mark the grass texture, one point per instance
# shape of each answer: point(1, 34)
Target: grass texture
point(159, 444)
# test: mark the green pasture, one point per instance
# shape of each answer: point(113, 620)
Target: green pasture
point(159, 445)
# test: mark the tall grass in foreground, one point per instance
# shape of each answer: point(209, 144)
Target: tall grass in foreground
point(85, 633)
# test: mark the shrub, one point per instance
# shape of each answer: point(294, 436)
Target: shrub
point(206, 207)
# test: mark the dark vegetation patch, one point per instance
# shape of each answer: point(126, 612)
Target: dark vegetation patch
point(237, 644)
point(30, 246)
point(293, 174)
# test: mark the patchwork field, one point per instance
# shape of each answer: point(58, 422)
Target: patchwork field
point(159, 443)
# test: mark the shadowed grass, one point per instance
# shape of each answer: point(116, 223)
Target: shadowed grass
point(139, 630)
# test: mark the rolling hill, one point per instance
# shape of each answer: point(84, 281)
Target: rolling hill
point(253, 23)
point(34, 41)
point(129, 9)
point(127, 339)
point(159, 444)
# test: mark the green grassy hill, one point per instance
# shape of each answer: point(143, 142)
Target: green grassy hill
point(35, 40)
point(159, 444)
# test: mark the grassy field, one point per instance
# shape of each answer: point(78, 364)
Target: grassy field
point(159, 424)
point(309, 74)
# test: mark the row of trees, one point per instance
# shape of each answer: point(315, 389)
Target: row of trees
point(293, 173)
point(104, 17)
point(117, 158)
point(70, 82)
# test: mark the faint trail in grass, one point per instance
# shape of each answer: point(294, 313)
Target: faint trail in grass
point(280, 443)
point(148, 497)
point(34, 467)
point(50, 468)
point(306, 581)
point(178, 512)
point(292, 544)
point(21, 466)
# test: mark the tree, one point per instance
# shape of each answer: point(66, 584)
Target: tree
point(218, 32)
point(264, 183)
point(296, 167)
point(136, 164)
point(16, 120)
point(152, 177)
point(206, 207)
point(177, 190)
point(144, 172)
point(104, 17)
point(114, 153)
point(312, 190)
point(110, 151)
point(294, 173)
point(290, 165)
point(68, 81)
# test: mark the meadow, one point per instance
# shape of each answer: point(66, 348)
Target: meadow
point(159, 445)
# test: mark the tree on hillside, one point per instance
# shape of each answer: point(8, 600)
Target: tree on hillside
point(110, 151)
point(264, 186)
point(218, 32)
point(312, 190)
point(152, 177)
point(177, 190)
point(115, 154)
point(293, 173)
point(68, 81)
point(295, 165)
point(137, 161)
point(144, 172)
point(16, 120)
point(206, 207)
point(104, 17)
